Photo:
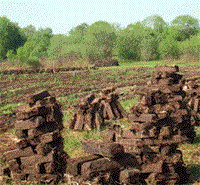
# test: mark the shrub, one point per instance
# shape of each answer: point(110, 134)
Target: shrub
point(169, 48)
point(191, 47)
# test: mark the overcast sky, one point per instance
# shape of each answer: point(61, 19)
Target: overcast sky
point(62, 15)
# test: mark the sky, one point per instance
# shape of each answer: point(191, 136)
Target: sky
point(63, 15)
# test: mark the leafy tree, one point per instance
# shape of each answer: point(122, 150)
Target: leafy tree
point(99, 41)
point(77, 34)
point(169, 48)
point(185, 21)
point(155, 22)
point(67, 46)
point(35, 47)
point(117, 27)
point(129, 41)
point(148, 48)
point(57, 43)
point(11, 37)
point(61, 47)
point(184, 26)
point(191, 47)
point(29, 30)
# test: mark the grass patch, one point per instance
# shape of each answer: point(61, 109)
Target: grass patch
point(24, 76)
point(191, 157)
point(75, 76)
point(73, 140)
point(150, 64)
point(71, 99)
point(9, 108)
point(91, 76)
point(133, 64)
point(127, 104)
point(6, 93)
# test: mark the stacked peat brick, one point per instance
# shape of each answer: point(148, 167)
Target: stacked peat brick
point(159, 122)
point(126, 158)
point(192, 89)
point(39, 156)
point(154, 146)
point(166, 98)
point(112, 108)
point(100, 167)
point(91, 112)
point(147, 152)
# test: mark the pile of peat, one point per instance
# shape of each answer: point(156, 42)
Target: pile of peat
point(39, 156)
point(91, 112)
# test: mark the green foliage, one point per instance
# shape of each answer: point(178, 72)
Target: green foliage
point(150, 39)
point(99, 41)
point(129, 39)
point(191, 46)
point(29, 30)
point(10, 54)
point(72, 50)
point(57, 44)
point(77, 34)
point(185, 26)
point(11, 37)
point(148, 49)
point(35, 47)
point(62, 46)
point(155, 22)
point(169, 48)
point(185, 21)
point(33, 61)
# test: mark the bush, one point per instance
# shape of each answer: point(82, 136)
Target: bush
point(11, 56)
point(57, 44)
point(11, 37)
point(33, 61)
point(35, 47)
point(191, 47)
point(148, 49)
point(129, 41)
point(128, 47)
point(169, 49)
point(99, 41)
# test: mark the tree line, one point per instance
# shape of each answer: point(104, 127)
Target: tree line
point(150, 39)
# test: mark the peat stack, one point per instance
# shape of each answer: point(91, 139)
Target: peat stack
point(89, 114)
point(192, 89)
point(166, 98)
point(112, 108)
point(92, 111)
point(99, 167)
point(39, 155)
point(154, 146)
point(142, 155)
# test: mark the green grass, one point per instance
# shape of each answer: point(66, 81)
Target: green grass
point(127, 104)
point(9, 107)
point(91, 76)
point(191, 156)
point(133, 64)
point(72, 140)
point(148, 64)
point(7, 93)
point(23, 76)
point(71, 99)
point(75, 76)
